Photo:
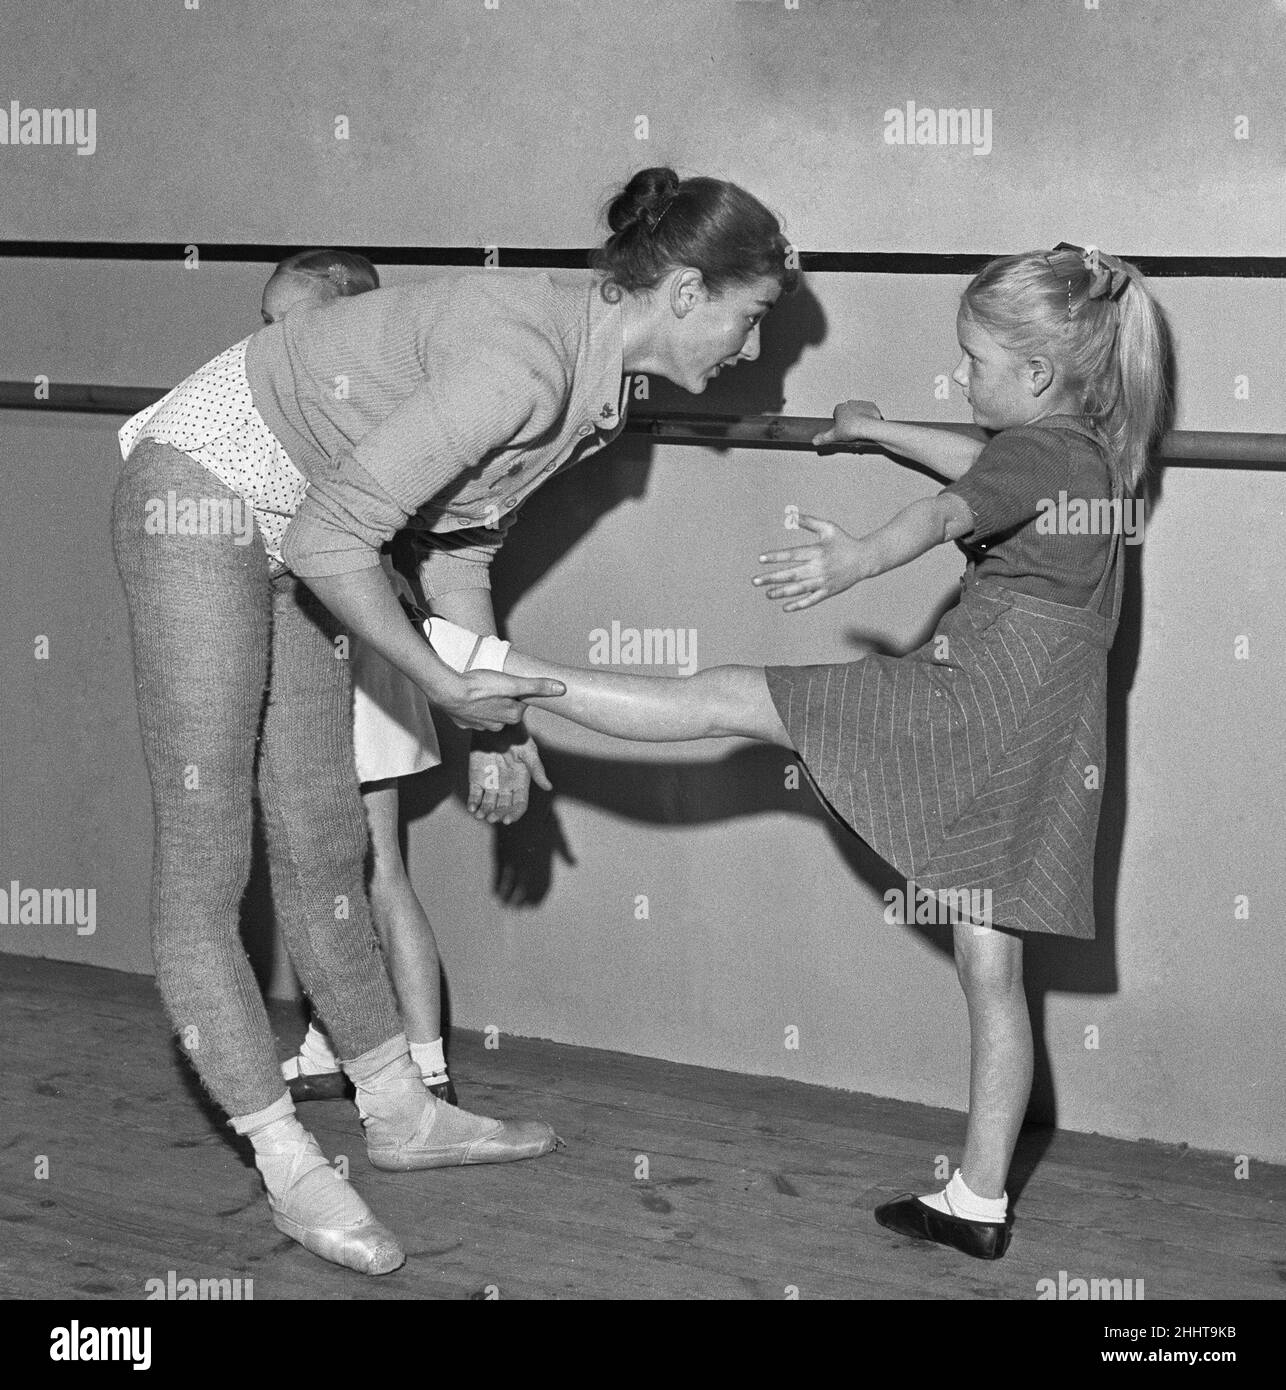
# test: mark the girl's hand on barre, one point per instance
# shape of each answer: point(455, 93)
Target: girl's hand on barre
point(489, 699)
point(816, 572)
point(852, 422)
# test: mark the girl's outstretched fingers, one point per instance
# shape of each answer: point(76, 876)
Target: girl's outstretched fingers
point(816, 571)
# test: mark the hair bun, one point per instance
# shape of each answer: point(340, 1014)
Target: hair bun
point(643, 200)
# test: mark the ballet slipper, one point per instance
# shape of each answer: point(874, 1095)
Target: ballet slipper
point(909, 1216)
point(408, 1128)
point(313, 1073)
point(315, 1085)
point(312, 1204)
point(443, 1136)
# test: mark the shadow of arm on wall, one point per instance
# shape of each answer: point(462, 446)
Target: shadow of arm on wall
point(750, 781)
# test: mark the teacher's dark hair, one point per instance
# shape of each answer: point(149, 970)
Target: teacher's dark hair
point(660, 221)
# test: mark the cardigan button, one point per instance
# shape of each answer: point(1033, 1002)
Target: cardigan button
point(584, 430)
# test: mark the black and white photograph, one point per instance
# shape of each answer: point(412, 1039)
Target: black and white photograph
point(643, 660)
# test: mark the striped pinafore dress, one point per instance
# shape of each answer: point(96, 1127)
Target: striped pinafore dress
point(974, 764)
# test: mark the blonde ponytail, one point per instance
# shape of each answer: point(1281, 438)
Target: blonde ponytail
point(1140, 411)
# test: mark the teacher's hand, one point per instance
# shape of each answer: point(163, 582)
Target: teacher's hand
point(502, 768)
point(490, 699)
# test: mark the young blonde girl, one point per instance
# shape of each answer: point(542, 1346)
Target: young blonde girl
point(973, 763)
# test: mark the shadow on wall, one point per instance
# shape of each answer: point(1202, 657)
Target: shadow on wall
point(558, 516)
point(797, 321)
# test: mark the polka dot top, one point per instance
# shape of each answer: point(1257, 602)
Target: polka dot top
point(212, 418)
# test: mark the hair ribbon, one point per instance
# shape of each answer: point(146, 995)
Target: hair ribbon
point(1108, 275)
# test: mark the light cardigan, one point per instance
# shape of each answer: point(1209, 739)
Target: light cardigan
point(444, 404)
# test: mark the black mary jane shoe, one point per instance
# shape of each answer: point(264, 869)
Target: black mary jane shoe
point(445, 1090)
point(909, 1216)
point(321, 1085)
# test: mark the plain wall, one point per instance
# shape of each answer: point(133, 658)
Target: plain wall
point(506, 126)
point(761, 914)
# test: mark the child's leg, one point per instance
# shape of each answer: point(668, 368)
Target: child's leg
point(723, 702)
point(410, 948)
point(410, 952)
point(406, 936)
point(971, 1213)
point(990, 966)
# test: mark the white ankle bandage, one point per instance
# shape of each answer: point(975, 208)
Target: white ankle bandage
point(463, 650)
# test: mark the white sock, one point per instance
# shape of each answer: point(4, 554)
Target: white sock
point(431, 1060)
point(284, 1150)
point(463, 650)
point(958, 1199)
point(315, 1056)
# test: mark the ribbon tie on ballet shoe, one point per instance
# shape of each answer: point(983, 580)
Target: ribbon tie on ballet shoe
point(1108, 275)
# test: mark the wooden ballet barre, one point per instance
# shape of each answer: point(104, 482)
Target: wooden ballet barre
point(77, 396)
point(1184, 448)
point(1190, 448)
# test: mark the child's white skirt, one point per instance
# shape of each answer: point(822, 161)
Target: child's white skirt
point(393, 733)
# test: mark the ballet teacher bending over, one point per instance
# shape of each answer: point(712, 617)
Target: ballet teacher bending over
point(442, 405)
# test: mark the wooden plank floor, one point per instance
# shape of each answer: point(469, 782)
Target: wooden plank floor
point(754, 1185)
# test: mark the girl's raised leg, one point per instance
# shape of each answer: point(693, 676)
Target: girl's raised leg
point(723, 702)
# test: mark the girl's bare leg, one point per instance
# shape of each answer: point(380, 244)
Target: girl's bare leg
point(723, 702)
point(990, 967)
point(410, 948)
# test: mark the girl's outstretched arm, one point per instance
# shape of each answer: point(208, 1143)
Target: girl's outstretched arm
point(837, 561)
point(948, 453)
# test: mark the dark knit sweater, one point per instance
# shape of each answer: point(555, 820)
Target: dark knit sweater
point(1020, 536)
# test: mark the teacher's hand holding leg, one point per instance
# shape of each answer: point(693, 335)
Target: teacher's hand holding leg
point(489, 699)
